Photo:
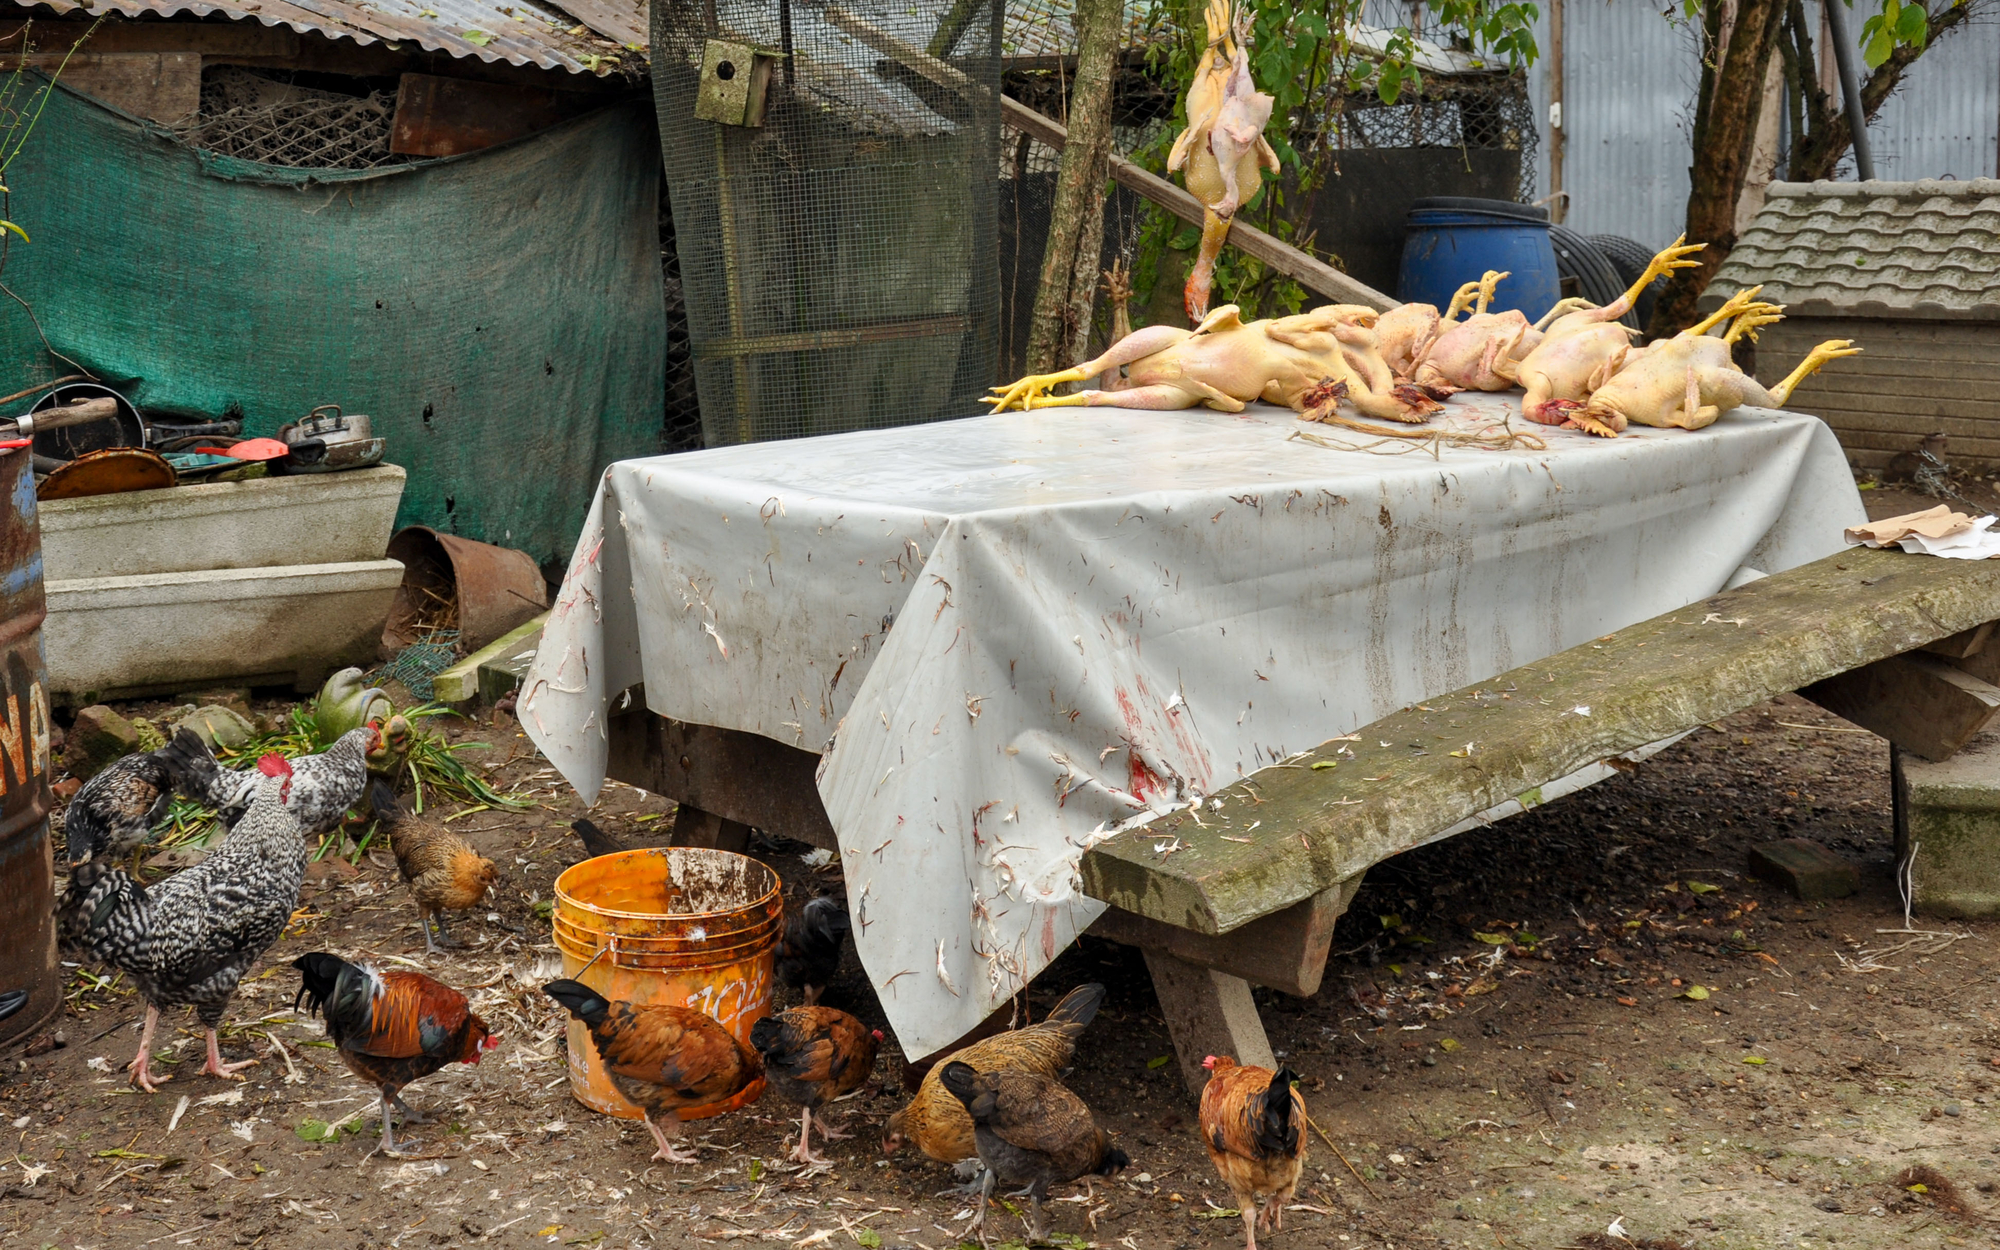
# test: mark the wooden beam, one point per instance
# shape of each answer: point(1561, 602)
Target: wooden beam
point(1963, 645)
point(1320, 826)
point(733, 776)
point(1308, 271)
point(1921, 703)
point(1285, 950)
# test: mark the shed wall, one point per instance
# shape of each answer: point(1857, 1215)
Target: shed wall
point(1913, 379)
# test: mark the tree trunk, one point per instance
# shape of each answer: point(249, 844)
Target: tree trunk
point(1059, 332)
point(1725, 130)
point(1824, 138)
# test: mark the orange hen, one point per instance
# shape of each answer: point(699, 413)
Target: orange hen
point(443, 871)
point(1251, 1126)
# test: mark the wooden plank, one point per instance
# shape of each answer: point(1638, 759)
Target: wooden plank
point(1920, 703)
point(158, 86)
point(1528, 727)
point(1285, 950)
point(1963, 645)
point(743, 777)
point(1308, 271)
point(205, 38)
point(438, 116)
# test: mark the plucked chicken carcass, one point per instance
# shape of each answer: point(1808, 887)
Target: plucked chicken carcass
point(442, 870)
point(1227, 364)
point(1223, 152)
point(324, 786)
point(391, 1027)
point(115, 811)
point(1564, 372)
point(662, 1059)
point(187, 941)
point(1253, 1127)
point(813, 1055)
point(937, 1122)
point(809, 948)
point(1690, 380)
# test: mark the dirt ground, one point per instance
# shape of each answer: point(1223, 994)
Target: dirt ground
point(1505, 1054)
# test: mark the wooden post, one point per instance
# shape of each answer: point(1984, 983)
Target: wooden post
point(1059, 331)
point(1558, 202)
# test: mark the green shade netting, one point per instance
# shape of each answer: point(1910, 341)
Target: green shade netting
point(498, 315)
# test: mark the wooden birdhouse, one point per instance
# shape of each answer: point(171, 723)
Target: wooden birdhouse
point(734, 80)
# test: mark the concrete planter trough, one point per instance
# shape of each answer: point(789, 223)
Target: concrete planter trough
point(159, 633)
point(328, 518)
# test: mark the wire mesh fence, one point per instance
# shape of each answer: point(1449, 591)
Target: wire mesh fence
point(258, 117)
point(837, 260)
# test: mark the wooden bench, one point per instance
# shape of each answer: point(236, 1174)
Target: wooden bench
point(1896, 643)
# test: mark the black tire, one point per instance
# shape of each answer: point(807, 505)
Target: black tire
point(1630, 260)
point(1596, 279)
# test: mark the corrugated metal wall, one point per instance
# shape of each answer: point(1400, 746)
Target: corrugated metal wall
point(1629, 100)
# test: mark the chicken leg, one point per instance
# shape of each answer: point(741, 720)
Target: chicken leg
point(1666, 261)
point(1832, 349)
point(1032, 391)
point(216, 1067)
point(141, 1065)
point(665, 1131)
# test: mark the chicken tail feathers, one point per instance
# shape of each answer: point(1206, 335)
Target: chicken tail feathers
point(382, 801)
point(596, 842)
point(1277, 1131)
point(194, 769)
point(960, 1081)
point(579, 1000)
point(1076, 1010)
point(1112, 1162)
point(98, 891)
point(319, 975)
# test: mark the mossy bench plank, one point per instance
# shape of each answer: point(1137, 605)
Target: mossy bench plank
point(1293, 829)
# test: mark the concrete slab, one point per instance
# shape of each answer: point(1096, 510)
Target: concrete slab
point(1949, 814)
point(109, 637)
point(326, 518)
point(494, 669)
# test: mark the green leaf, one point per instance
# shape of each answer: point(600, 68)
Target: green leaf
point(1319, 764)
point(1912, 24)
point(314, 1130)
point(1525, 938)
point(1159, 1061)
point(1391, 921)
point(1757, 1060)
point(1698, 993)
point(478, 38)
point(1395, 970)
point(869, 1238)
point(1448, 1044)
point(8, 225)
point(756, 1172)
point(1492, 939)
point(1878, 48)
point(1702, 887)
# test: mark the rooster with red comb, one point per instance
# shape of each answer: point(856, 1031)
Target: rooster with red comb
point(187, 941)
point(322, 788)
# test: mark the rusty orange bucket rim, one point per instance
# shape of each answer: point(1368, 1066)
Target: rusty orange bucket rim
point(565, 898)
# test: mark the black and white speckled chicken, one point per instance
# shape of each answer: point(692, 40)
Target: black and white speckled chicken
point(115, 811)
point(187, 941)
point(324, 786)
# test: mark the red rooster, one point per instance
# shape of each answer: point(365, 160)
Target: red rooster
point(1252, 1123)
point(391, 1027)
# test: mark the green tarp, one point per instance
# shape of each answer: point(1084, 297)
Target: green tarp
point(499, 315)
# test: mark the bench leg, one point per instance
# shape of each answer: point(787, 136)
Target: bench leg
point(1208, 1013)
point(694, 827)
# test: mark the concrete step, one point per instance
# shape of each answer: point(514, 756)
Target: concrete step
point(1948, 814)
point(494, 669)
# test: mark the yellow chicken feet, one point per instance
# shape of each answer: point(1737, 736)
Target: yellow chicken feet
point(1488, 283)
point(1669, 259)
point(1032, 391)
point(1832, 349)
point(1461, 299)
point(1756, 318)
point(1562, 307)
point(1735, 306)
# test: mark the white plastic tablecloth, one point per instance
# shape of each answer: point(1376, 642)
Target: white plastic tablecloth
point(1008, 633)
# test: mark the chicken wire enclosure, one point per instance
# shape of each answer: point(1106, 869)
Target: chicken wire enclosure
point(1484, 112)
point(838, 260)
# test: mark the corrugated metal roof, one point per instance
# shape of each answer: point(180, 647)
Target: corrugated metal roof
point(1927, 249)
point(514, 31)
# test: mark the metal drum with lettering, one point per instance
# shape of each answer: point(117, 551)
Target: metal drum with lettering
point(27, 902)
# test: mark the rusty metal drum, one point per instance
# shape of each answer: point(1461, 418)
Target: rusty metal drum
point(27, 873)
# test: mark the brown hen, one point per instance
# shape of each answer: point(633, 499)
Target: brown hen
point(937, 1122)
point(662, 1059)
point(814, 1055)
point(1030, 1132)
point(444, 873)
point(1252, 1123)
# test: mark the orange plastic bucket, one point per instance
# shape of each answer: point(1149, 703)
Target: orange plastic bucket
point(680, 926)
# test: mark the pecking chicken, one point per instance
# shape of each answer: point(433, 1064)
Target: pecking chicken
point(662, 1059)
point(188, 940)
point(936, 1121)
point(809, 949)
point(324, 786)
point(596, 842)
point(814, 1055)
point(442, 870)
point(1253, 1127)
point(115, 811)
point(391, 1027)
point(1030, 1131)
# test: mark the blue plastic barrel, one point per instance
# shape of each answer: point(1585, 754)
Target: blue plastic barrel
point(1453, 240)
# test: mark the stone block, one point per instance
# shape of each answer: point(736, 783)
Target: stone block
point(1805, 868)
point(97, 737)
point(218, 726)
point(1948, 816)
point(235, 698)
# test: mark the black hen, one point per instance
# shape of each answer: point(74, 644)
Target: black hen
point(1030, 1131)
point(809, 951)
point(115, 811)
point(596, 842)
